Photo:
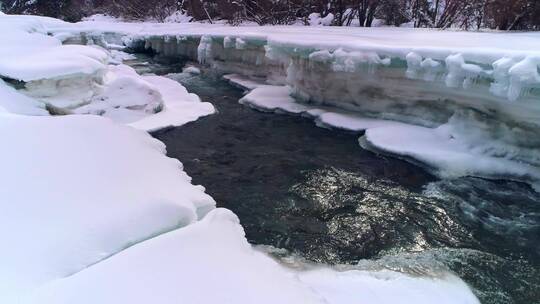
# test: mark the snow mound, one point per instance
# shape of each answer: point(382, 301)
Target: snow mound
point(191, 70)
point(315, 19)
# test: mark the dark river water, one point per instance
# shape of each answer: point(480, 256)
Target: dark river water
point(315, 193)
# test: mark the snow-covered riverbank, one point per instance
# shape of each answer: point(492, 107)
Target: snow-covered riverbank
point(96, 212)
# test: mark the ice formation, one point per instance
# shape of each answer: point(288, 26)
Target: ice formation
point(12, 101)
point(482, 88)
point(145, 102)
point(278, 99)
point(92, 209)
point(76, 79)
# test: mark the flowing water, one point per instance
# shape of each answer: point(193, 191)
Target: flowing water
point(316, 194)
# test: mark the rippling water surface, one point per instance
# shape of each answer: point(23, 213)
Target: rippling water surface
point(315, 193)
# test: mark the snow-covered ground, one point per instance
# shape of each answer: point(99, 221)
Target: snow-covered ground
point(92, 211)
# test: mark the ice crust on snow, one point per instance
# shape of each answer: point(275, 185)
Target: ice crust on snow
point(123, 89)
point(243, 82)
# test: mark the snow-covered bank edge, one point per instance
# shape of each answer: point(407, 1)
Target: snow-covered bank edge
point(435, 149)
point(438, 152)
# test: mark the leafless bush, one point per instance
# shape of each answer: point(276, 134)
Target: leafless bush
point(142, 9)
point(466, 14)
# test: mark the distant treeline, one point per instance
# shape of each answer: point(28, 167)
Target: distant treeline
point(465, 14)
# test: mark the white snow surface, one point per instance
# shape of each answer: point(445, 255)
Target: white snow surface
point(145, 102)
point(77, 189)
point(211, 262)
point(438, 149)
point(180, 107)
point(12, 101)
point(28, 54)
point(77, 79)
point(207, 262)
point(394, 42)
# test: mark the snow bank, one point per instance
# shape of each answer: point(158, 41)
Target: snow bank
point(29, 54)
point(78, 189)
point(124, 92)
point(180, 107)
point(76, 79)
point(471, 61)
point(207, 262)
point(100, 192)
point(146, 102)
point(176, 266)
point(14, 102)
point(449, 156)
